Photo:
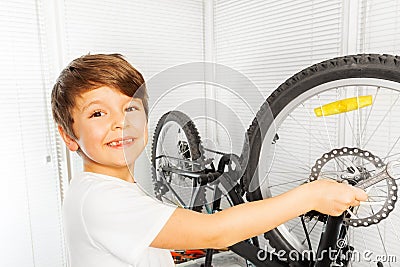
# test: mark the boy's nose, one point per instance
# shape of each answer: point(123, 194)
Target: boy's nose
point(118, 121)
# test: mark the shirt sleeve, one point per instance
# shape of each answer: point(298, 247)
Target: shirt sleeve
point(123, 220)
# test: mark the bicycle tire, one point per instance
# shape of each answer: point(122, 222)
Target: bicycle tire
point(369, 66)
point(193, 139)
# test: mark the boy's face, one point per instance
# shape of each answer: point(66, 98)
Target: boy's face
point(109, 126)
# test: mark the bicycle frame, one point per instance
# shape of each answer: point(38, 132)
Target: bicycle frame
point(245, 249)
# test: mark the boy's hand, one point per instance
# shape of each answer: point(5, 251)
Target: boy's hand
point(333, 198)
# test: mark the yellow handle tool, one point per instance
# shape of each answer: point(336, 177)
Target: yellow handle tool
point(343, 105)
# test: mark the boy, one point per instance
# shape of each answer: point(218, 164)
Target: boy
point(108, 220)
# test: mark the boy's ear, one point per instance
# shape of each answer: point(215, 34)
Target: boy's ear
point(69, 141)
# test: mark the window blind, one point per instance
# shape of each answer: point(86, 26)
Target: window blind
point(379, 27)
point(378, 32)
point(269, 41)
point(30, 196)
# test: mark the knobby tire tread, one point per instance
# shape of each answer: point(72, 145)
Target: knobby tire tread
point(192, 135)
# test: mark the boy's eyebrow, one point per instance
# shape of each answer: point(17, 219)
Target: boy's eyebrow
point(138, 100)
point(90, 103)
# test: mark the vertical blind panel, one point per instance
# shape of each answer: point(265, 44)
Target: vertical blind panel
point(152, 35)
point(379, 27)
point(269, 41)
point(31, 229)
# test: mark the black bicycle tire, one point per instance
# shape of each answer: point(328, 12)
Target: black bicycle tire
point(379, 66)
point(192, 135)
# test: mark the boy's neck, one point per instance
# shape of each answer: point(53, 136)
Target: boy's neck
point(123, 173)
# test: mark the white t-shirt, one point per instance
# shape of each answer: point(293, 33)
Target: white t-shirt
point(109, 222)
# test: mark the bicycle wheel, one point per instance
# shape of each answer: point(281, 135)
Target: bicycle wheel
point(177, 144)
point(338, 119)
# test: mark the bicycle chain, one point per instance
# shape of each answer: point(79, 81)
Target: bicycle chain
point(391, 199)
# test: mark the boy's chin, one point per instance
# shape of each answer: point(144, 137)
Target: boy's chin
point(130, 161)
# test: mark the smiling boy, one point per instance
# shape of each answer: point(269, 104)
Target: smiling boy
point(99, 103)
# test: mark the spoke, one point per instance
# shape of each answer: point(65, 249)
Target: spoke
point(303, 224)
point(380, 237)
point(382, 185)
point(351, 127)
point(319, 130)
point(373, 189)
point(383, 244)
point(312, 119)
point(316, 221)
point(326, 125)
point(165, 152)
point(365, 244)
point(335, 178)
point(389, 156)
point(306, 168)
point(395, 143)
point(371, 203)
point(322, 146)
point(365, 163)
point(172, 202)
point(396, 215)
point(378, 196)
point(294, 226)
point(289, 172)
point(291, 182)
point(370, 110)
point(352, 215)
point(359, 119)
point(394, 229)
point(327, 131)
point(178, 137)
point(161, 144)
point(383, 119)
point(228, 199)
point(356, 209)
point(380, 189)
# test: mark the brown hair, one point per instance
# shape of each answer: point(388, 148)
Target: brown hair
point(90, 72)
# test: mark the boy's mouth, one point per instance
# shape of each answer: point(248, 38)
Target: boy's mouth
point(121, 142)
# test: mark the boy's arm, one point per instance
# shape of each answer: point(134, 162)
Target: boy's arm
point(187, 229)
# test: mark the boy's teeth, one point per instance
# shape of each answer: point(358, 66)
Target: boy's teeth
point(115, 143)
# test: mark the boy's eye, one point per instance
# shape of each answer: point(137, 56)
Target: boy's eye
point(128, 109)
point(97, 114)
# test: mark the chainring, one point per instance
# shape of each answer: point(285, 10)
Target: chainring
point(354, 177)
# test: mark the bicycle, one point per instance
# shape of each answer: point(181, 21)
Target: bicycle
point(332, 115)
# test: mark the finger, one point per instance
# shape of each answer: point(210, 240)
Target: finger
point(339, 209)
point(337, 212)
point(355, 203)
point(361, 195)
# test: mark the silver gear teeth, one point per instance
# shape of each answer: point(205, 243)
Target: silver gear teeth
point(387, 207)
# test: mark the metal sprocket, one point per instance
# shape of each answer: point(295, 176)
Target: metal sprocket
point(357, 176)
